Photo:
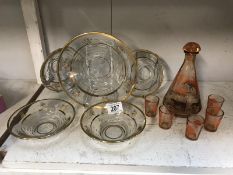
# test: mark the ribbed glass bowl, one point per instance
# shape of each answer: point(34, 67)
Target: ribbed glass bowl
point(149, 73)
point(101, 69)
point(97, 123)
point(41, 119)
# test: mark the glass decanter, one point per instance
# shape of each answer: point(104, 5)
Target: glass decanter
point(183, 96)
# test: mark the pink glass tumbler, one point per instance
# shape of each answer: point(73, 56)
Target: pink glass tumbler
point(215, 102)
point(165, 117)
point(194, 126)
point(151, 105)
point(213, 119)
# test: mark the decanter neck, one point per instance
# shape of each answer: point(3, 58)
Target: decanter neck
point(190, 57)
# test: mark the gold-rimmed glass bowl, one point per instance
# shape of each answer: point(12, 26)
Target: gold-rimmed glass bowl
point(98, 124)
point(101, 69)
point(41, 119)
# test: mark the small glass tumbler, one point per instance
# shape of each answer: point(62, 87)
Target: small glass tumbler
point(165, 117)
point(213, 119)
point(215, 102)
point(151, 105)
point(194, 126)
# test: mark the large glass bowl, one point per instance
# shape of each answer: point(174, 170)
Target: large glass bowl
point(41, 119)
point(97, 123)
point(149, 73)
point(101, 69)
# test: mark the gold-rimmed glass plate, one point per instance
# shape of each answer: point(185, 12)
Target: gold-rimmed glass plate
point(149, 73)
point(48, 71)
point(101, 69)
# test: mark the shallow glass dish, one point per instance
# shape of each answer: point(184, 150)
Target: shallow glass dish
point(149, 73)
point(97, 123)
point(48, 71)
point(101, 69)
point(41, 119)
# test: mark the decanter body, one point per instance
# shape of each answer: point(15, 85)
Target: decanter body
point(183, 96)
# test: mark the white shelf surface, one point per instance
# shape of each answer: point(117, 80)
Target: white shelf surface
point(153, 148)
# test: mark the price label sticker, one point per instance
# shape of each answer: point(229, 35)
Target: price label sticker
point(114, 108)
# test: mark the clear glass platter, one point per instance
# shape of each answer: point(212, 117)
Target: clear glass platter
point(100, 69)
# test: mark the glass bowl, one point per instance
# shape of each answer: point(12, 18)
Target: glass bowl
point(98, 124)
point(149, 73)
point(41, 119)
point(101, 69)
point(48, 71)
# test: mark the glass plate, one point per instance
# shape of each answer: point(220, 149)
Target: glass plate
point(41, 119)
point(101, 125)
point(48, 71)
point(101, 69)
point(149, 73)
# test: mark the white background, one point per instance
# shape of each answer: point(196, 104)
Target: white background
point(162, 26)
point(15, 56)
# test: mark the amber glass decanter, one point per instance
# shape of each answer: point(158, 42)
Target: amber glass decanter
point(183, 96)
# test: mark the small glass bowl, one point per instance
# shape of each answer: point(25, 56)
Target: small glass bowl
point(98, 124)
point(41, 119)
